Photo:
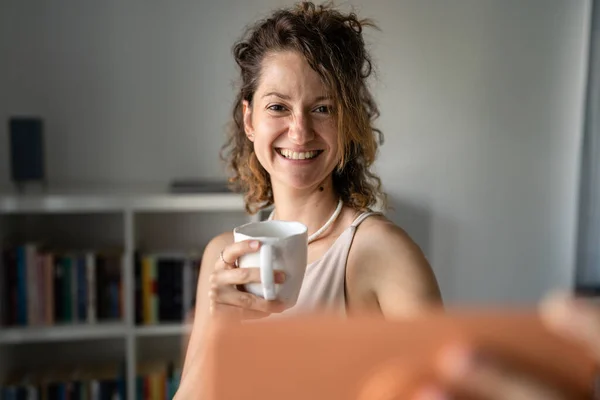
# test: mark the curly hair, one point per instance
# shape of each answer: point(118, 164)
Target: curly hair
point(333, 46)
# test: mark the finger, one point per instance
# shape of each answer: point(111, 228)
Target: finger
point(236, 313)
point(253, 314)
point(235, 276)
point(240, 276)
point(430, 393)
point(484, 379)
point(225, 311)
point(235, 250)
point(574, 318)
point(244, 300)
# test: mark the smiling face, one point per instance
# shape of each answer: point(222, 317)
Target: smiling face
point(291, 122)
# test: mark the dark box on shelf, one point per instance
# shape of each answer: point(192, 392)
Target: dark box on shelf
point(26, 141)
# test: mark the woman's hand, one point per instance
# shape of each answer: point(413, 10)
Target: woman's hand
point(575, 319)
point(226, 300)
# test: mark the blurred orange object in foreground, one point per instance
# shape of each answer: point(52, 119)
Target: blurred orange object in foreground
point(316, 357)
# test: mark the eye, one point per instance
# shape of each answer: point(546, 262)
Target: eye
point(276, 107)
point(323, 109)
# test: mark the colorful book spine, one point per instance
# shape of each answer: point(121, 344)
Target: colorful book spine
point(165, 287)
point(41, 287)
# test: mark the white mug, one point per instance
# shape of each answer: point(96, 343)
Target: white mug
point(284, 246)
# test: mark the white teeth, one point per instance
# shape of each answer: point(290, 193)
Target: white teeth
point(294, 155)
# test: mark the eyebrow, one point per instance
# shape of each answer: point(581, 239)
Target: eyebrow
point(286, 97)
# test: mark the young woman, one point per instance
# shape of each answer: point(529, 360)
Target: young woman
point(303, 140)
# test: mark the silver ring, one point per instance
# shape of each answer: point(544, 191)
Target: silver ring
point(222, 259)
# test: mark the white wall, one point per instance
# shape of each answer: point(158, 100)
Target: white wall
point(481, 106)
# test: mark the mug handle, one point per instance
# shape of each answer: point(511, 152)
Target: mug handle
point(266, 271)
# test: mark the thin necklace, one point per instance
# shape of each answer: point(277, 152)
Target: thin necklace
point(327, 224)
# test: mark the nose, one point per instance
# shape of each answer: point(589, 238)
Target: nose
point(301, 131)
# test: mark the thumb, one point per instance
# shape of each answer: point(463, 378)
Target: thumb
point(574, 318)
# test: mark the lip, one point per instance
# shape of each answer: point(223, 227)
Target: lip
point(299, 161)
point(298, 150)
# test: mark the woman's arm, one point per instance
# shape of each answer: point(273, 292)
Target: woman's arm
point(462, 370)
point(388, 273)
point(217, 296)
point(201, 312)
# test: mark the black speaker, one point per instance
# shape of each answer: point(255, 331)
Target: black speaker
point(27, 163)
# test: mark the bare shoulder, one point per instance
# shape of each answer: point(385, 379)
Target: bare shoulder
point(388, 269)
point(218, 242)
point(214, 247)
point(379, 236)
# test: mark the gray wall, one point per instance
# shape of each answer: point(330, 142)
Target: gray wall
point(481, 105)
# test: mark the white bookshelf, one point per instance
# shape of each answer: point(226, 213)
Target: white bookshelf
point(62, 333)
point(162, 330)
point(129, 218)
point(97, 201)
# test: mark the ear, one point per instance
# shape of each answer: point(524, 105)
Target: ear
point(247, 113)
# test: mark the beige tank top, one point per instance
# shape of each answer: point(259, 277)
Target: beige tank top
point(323, 287)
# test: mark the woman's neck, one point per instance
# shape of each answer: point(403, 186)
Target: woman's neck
point(311, 207)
